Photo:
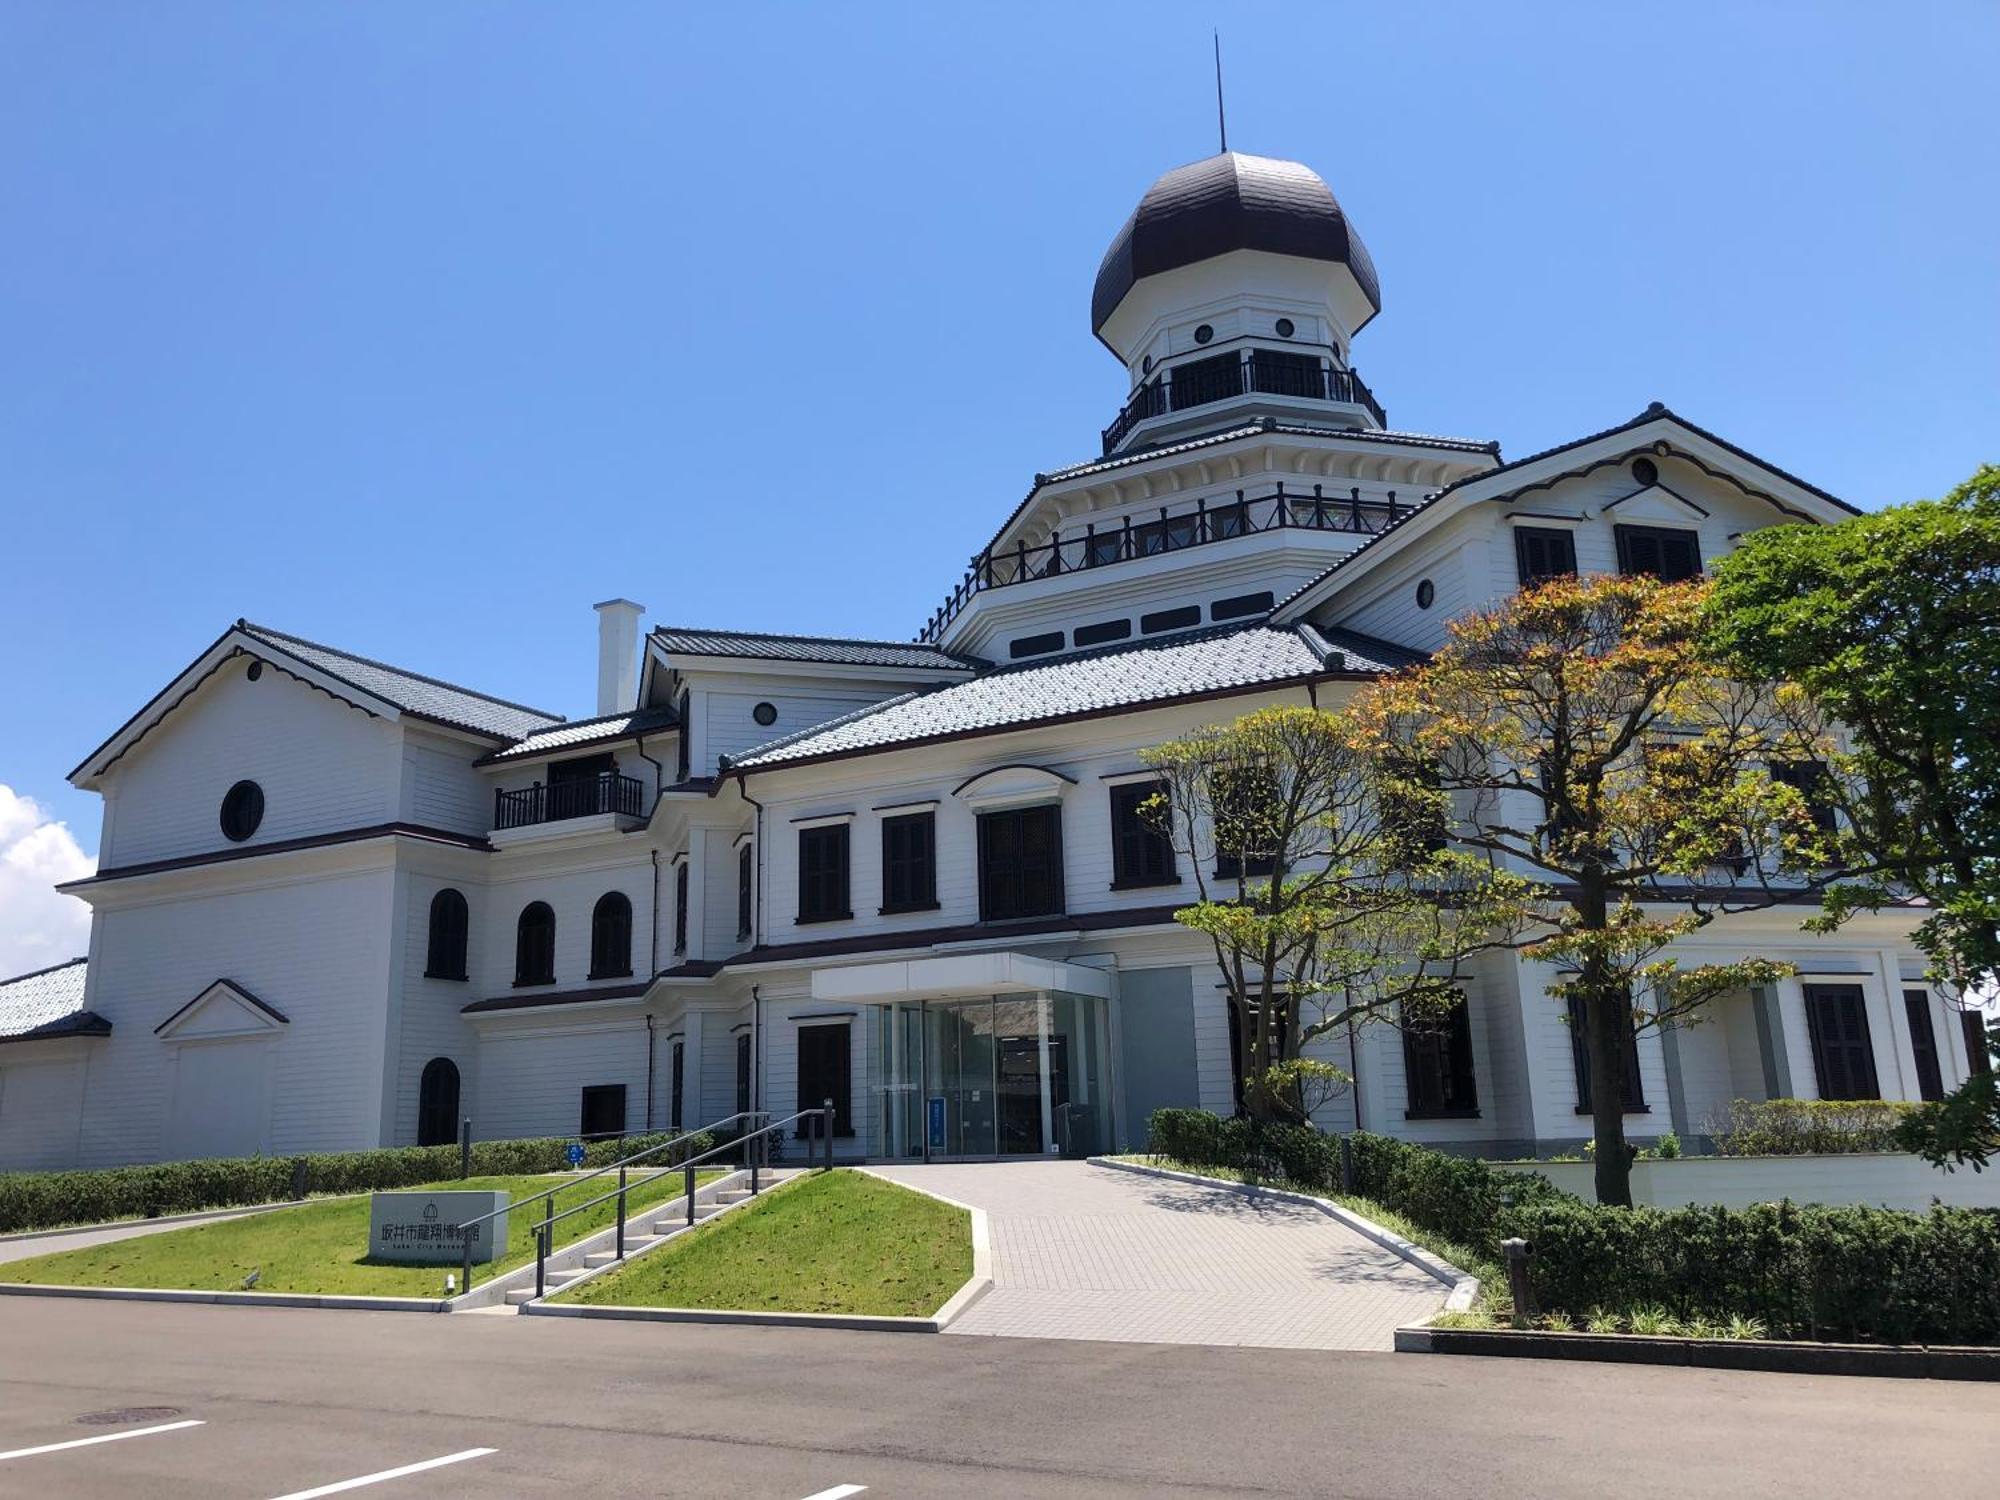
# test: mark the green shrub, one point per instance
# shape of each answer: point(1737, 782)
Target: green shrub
point(1843, 1273)
point(1809, 1127)
point(44, 1200)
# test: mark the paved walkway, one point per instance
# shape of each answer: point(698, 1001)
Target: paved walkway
point(28, 1246)
point(1084, 1252)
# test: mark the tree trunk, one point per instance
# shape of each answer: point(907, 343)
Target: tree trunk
point(1606, 1015)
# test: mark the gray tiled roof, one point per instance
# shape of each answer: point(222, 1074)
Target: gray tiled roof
point(425, 697)
point(579, 732)
point(1124, 676)
point(48, 1003)
point(835, 650)
point(1261, 427)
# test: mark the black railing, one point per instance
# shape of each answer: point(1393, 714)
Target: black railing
point(1270, 372)
point(606, 792)
point(1152, 536)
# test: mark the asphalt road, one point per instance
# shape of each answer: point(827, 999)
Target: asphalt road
point(291, 1402)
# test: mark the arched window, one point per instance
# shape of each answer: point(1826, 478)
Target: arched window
point(448, 927)
point(611, 937)
point(535, 945)
point(437, 1099)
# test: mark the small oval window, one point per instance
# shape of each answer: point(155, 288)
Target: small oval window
point(1285, 328)
point(765, 713)
point(256, 670)
point(1203, 334)
point(1426, 594)
point(242, 811)
point(1146, 365)
point(1645, 471)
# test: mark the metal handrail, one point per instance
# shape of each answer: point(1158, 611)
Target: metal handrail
point(617, 1166)
point(545, 1231)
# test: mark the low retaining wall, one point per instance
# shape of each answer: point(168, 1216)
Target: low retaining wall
point(1873, 1179)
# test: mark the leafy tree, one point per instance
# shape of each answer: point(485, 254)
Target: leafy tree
point(1587, 741)
point(1889, 624)
point(1324, 890)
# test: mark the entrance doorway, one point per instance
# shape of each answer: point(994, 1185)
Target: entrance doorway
point(994, 1077)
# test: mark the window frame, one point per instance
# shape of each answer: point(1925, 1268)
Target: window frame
point(918, 868)
point(1924, 1045)
point(676, 1082)
point(1438, 1053)
point(1843, 1063)
point(1631, 1082)
point(1527, 538)
point(681, 906)
point(1142, 857)
point(525, 975)
point(1628, 537)
point(743, 1071)
point(1978, 1051)
point(1236, 866)
point(745, 891)
point(602, 1092)
point(430, 1106)
point(994, 880)
point(449, 930)
point(611, 913)
point(826, 880)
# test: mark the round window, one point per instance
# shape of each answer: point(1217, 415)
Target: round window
point(1426, 594)
point(1285, 328)
point(242, 811)
point(1146, 367)
point(765, 713)
point(1645, 471)
point(256, 670)
point(1203, 334)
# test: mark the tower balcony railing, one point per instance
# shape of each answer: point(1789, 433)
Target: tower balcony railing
point(558, 801)
point(1209, 522)
point(1269, 372)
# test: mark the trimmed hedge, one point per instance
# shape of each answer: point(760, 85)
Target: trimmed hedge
point(46, 1200)
point(1809, 1127)
point(1843, 1273)
point(1849, 1274)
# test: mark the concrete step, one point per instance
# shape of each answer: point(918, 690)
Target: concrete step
point(732, 1195)
point(598, 1258)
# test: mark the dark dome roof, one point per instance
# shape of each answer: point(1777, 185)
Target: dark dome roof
point(1223, 203)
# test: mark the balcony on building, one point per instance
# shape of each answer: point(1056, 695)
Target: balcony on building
point(1273, 381)
point(608, 795)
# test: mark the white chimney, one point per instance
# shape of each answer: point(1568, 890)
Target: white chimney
point(618, 655)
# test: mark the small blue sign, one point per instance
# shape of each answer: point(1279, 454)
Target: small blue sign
point(937, 1122)
point(576, 1153)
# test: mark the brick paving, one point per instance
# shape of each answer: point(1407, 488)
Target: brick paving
point(1084, 1252)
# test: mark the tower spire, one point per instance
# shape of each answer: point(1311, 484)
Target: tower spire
point(1221, 120)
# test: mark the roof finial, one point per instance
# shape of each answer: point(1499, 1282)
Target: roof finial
point(1221, 120)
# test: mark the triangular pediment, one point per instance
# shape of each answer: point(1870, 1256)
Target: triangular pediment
point(1656, 503)
point(224, 1009)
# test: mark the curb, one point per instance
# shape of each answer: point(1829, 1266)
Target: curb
point(1464, 1287)
point(1782, 1356)
point(237, 1299)
point(862, 1321)
point(106, 1226)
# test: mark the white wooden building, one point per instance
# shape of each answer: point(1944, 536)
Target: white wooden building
point(341, 904)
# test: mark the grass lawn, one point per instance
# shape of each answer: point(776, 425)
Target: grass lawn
point(321, 1247)
point(834, 1242)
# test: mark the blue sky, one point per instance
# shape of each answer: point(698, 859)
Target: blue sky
point(419, 328)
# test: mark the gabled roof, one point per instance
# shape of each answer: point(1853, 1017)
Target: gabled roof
point(426, 697)
point(1494, 483)
point(371, 686)
point(579, 734)
point(48, 1003)
point(825, 649)
point(1196, 664)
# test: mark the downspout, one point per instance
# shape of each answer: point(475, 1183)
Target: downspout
point(653, 945)
point(756, 925)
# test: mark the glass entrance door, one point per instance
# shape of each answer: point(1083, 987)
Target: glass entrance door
point(992, 1077)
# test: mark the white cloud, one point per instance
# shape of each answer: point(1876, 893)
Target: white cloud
point(39, 925)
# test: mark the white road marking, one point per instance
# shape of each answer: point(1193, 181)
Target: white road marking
point(355, 1484)
point(108, 1437)
point(838, 1492)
